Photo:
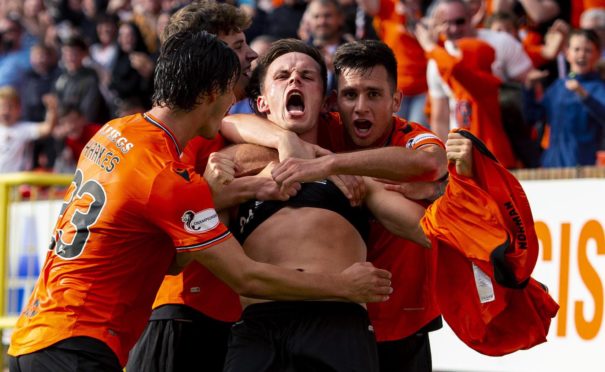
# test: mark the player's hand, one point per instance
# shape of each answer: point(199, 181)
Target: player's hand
point(300, 170)
point(291, 146)
point(268, 189)
point(353, 188)
point(366, 283)
point(220, 170)
point(412, 190)
point(460, 150)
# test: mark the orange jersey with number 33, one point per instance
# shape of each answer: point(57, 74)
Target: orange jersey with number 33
point(131, 206)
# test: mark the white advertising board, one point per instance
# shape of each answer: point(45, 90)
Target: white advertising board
point(570, 218)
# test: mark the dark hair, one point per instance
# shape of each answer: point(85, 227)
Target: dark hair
point(590, 35)
point(75, 42)
point(191, 66)
point(139, 44)
point(278, 49)
point(209, 16)
point(364, 55)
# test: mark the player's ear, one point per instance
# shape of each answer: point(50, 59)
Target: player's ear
point(262, 105)
point(397, 97)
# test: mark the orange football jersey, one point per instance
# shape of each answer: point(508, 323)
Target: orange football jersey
point(131, 206)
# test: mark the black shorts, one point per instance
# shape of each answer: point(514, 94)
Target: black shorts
point(303, 336)
point(179, 338)
point(410, 354)
point(76, 354)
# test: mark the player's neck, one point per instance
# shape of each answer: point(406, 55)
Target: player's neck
point(179, 123)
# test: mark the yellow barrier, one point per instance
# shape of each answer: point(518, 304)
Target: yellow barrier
point(45, 184)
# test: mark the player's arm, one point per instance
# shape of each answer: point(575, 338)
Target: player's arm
point(51, 118)
point(393, 162)
point(399, 215)
point(253, 129)
point(360, 282)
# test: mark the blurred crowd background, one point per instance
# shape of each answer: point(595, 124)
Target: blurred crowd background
point(525, 75)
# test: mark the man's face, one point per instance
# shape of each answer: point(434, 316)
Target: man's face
point(366, 102)
point(72, 58)
point(581, 54)
point(237, 42)
point(324, 21)
point(453, 21)
point(293, 92)
point(218, 106)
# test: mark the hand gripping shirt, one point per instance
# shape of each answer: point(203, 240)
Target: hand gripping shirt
point(484, 231)
point(412, 305)
point(131, 206)
point(196, 286)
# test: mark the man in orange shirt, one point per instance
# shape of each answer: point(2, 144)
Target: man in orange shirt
point(129, 214)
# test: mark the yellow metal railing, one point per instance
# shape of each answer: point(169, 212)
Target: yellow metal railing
point(9, 193)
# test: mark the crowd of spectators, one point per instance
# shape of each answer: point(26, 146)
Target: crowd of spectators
point(526, 76)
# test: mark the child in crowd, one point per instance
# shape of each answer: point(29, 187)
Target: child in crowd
point(574, 107)
point(16, 135)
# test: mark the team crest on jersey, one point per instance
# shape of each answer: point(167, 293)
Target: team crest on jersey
point(200, 222)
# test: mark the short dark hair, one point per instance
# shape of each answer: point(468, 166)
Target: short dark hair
point(363, 56)
point(191, 66)
point(207, 15)
point(75, 42)
point(590, 35)
point(278, 49)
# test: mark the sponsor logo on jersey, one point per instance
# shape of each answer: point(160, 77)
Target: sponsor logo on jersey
point(200, 222)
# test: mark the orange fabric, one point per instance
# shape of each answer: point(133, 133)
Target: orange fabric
point(476, 92)
point(131, 201)
point(411, 62)
point(496, 234)
point(196, 286)
point(412, 304)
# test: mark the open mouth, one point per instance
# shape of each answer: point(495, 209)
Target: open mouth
point(295, 104)
point(362, 126)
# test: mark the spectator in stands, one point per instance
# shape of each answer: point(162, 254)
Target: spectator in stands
point(32, 21)
point(15, 135)
point(477, 105)
point(451, 20)
point(79, 85)
point(325, 26)
point(72, 133)
point(14, 60)
point(594, 19)
point(283, 21)
point(103, 55)
point(132, 72)
point(145, 16)
point(39, 81)
point(574, 107)
point(541, 53)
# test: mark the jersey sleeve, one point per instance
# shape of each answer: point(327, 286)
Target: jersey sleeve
point(416, 136)
point(180, 203)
